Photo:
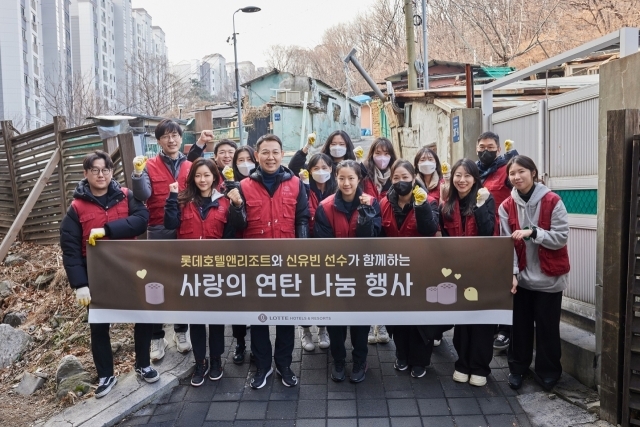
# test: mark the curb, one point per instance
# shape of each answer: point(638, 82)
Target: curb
point(130, 394)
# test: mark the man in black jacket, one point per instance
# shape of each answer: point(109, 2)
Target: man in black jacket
point(275, 207)
point(102, 209)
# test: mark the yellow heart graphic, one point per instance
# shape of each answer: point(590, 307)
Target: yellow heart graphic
point(446, 272)
point(141, 273)
point(457, 276)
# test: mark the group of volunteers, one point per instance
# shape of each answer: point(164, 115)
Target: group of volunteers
point(336, 193)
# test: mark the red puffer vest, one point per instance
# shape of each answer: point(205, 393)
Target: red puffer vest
point(270, 217)
point(552, 262)
point(338, 220)
point(409, 226)
point(495, 183)
point(91, 215)
point(369, 187)
point(435, 192)
point(453, 223)
point(160, 178)
point(313, 207)
point(192, 226)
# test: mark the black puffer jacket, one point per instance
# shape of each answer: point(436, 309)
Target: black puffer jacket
point(427, 214)
point(71, 230)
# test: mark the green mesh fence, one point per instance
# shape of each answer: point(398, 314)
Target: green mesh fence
point(580, 201)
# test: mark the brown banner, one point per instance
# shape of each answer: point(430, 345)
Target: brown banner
point(295, 281)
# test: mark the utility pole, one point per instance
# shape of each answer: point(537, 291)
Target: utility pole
point(411, 45)
point(425, 47)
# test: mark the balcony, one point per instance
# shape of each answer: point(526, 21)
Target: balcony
point(34, 26)
point(36, 69)
point(34, 46)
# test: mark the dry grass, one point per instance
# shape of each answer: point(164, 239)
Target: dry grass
point(58, 328)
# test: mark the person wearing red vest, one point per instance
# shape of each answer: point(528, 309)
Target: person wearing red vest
point(408, 211)
point(150, 184)
point(101, 209)
point(275, 207)
point(376, 169)
point(427, 165)
point(320, 183)
point(469, 211)
point(493, 174)
point(537, 221)
point(336, 217)
point(200, 211)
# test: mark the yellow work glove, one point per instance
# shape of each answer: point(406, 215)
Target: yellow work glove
point(446, 170)
point(482, 196)
point(139, 163)
point(304, 176)
point(96, 233)
point(508, 145)
point(311, 139)
point(359, 152)
point(419, 195)
point(83, 296)
point(228, 173)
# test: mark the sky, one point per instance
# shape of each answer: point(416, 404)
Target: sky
point(195, 28)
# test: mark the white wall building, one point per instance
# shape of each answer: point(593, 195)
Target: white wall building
point(123, 29)
point(93, 46)
point(159, 46)
point(215, 78)
point(56, 62)
point(20, 63)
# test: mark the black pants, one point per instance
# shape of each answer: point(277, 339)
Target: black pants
point(198, 334)
point(474, 344)
point(543, 308)
point(410, 347)
point(158, 331)
point(261, 345)
point(239, 332)
point(101, 347)
point(338, 336)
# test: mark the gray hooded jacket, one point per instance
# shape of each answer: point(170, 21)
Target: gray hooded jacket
point(532, 277)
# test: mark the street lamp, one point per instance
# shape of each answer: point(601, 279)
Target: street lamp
point(248, 9)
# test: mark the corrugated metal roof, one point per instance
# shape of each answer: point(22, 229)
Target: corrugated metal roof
point(499, 103)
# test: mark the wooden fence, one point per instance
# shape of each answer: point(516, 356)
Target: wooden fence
point(39, 171)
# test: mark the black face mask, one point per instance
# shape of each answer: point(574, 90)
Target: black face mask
point(402, 188)
point(487, 157)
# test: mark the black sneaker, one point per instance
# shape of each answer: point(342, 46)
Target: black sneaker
point(400, 365)
point(515, 381)
point(148, 374)
point(418, 371)
point(289, 379)
point(337, 372)
point(238, 357)
point(215, 373)
point(105, 385)
point(260, 378)
point(199, 373)
point(501, 342)
point(358, 372)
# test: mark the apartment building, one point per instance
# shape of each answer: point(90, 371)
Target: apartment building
point(214, 74)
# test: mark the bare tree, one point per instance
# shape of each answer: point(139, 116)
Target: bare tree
point(605, 16)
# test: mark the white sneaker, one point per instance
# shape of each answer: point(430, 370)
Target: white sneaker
point(371, 339)
point(459, 377)
point(382, 336)
point(323, 338)
point(478, 381)
point(157, 349)
point(436, 343)
point(182, 342)
point(307, 340)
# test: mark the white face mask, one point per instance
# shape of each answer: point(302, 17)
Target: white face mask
point(337, 151)
point(245, 168)
point(427, 167)
point(321, 176)
point(381, 161)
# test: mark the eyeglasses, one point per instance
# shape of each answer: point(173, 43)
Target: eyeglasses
point(169, 136)
point(96, 171)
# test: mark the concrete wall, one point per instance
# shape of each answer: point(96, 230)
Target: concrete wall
point(619, 89)
point(429, 124)
point(470, 129)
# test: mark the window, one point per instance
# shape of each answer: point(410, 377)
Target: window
point(336, 112)
point(24, 34)
point(24, 17)
point(26, 80)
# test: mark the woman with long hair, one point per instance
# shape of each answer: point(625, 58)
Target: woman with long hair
point(244, 162)
point(469, 211)
point(320, 183)
point(201, 211)
point(537, 221)
point(427, 165)
point(348, 213)
point(338, 147)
